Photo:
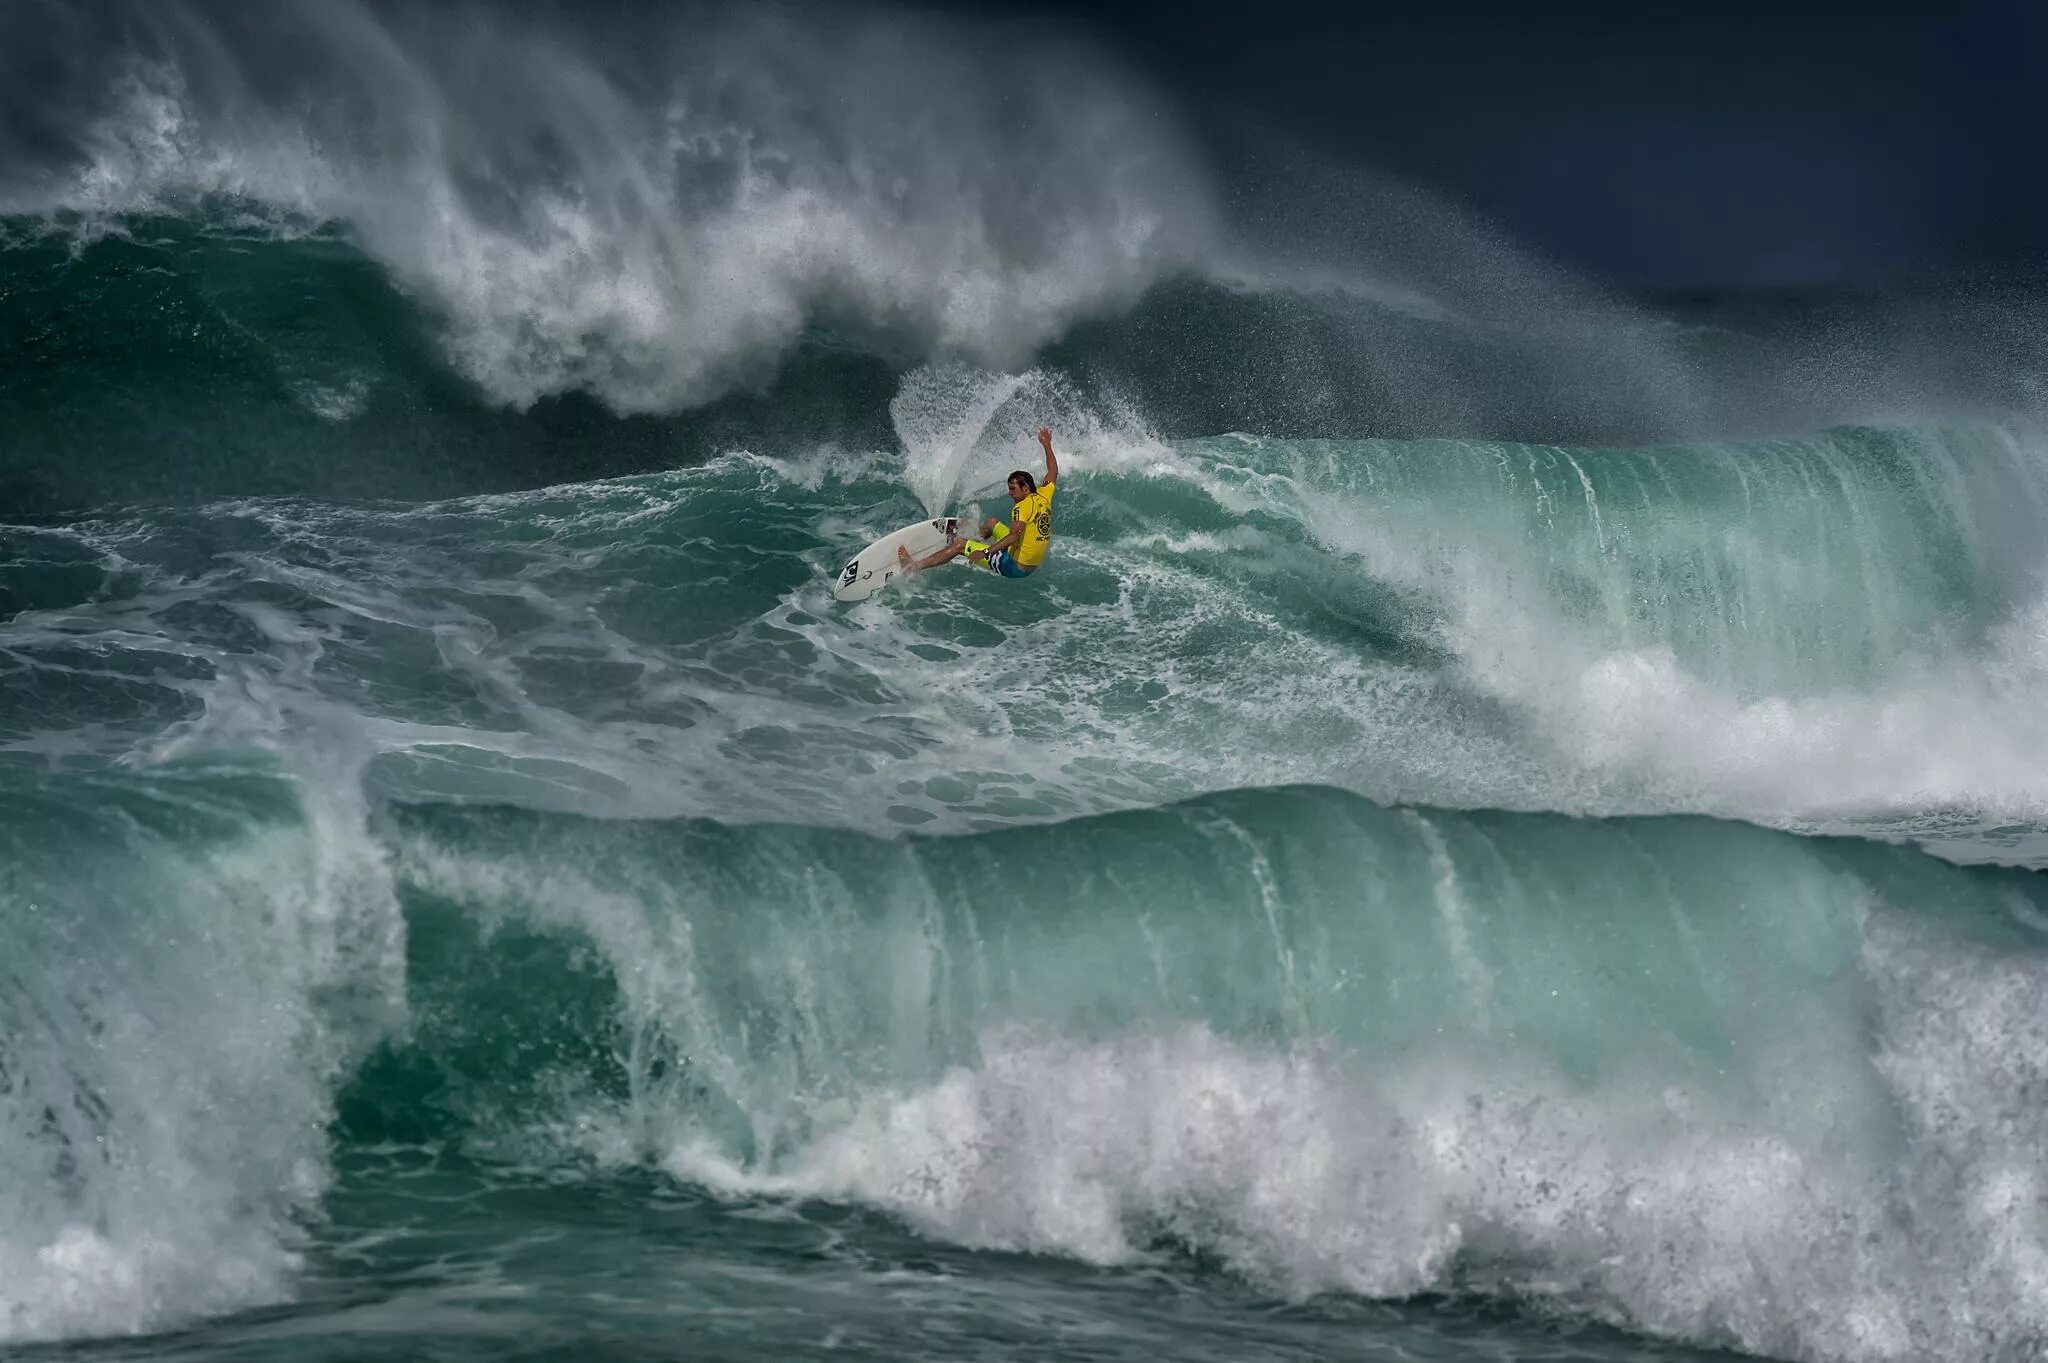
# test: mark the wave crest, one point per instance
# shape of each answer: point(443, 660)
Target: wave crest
point(655, 209)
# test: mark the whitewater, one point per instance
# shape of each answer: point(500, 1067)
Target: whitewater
point(1511, 824)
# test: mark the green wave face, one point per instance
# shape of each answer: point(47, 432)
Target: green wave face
point(765, 977)
point(170, 361)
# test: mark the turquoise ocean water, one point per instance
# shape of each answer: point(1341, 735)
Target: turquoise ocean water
point(1508, 828)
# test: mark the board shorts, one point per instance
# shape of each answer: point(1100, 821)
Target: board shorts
point(1000, 560)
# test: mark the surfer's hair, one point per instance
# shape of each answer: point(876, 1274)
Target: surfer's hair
point(1020, 476)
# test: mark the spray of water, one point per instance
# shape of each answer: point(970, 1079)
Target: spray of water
point(654, 208)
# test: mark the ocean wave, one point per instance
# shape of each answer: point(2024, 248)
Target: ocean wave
point(978, 907)
point(725, 228)
point(1696, 1078)
point(191, 967)
point(1720, 1084)
point(1838, 632)
point(669, 202)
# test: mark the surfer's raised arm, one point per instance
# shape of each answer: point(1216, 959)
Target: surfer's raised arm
point(1052, 464)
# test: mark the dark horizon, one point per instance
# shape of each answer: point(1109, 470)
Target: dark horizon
point(1691, 151)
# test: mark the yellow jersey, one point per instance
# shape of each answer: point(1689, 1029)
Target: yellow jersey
point(1033, 516)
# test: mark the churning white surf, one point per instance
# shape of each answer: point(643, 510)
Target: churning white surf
point(191, 968)
point(1841, 628)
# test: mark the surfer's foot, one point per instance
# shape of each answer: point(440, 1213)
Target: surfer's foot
point(903, 558)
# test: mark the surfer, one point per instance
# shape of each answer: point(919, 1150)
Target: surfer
point(1013, 552)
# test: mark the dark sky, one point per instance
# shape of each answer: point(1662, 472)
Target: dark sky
point(1678, 146)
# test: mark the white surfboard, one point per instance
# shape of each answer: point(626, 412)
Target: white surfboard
point(876, 566)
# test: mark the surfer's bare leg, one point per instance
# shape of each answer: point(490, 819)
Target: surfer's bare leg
point(931, 560)
point(954, 548)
